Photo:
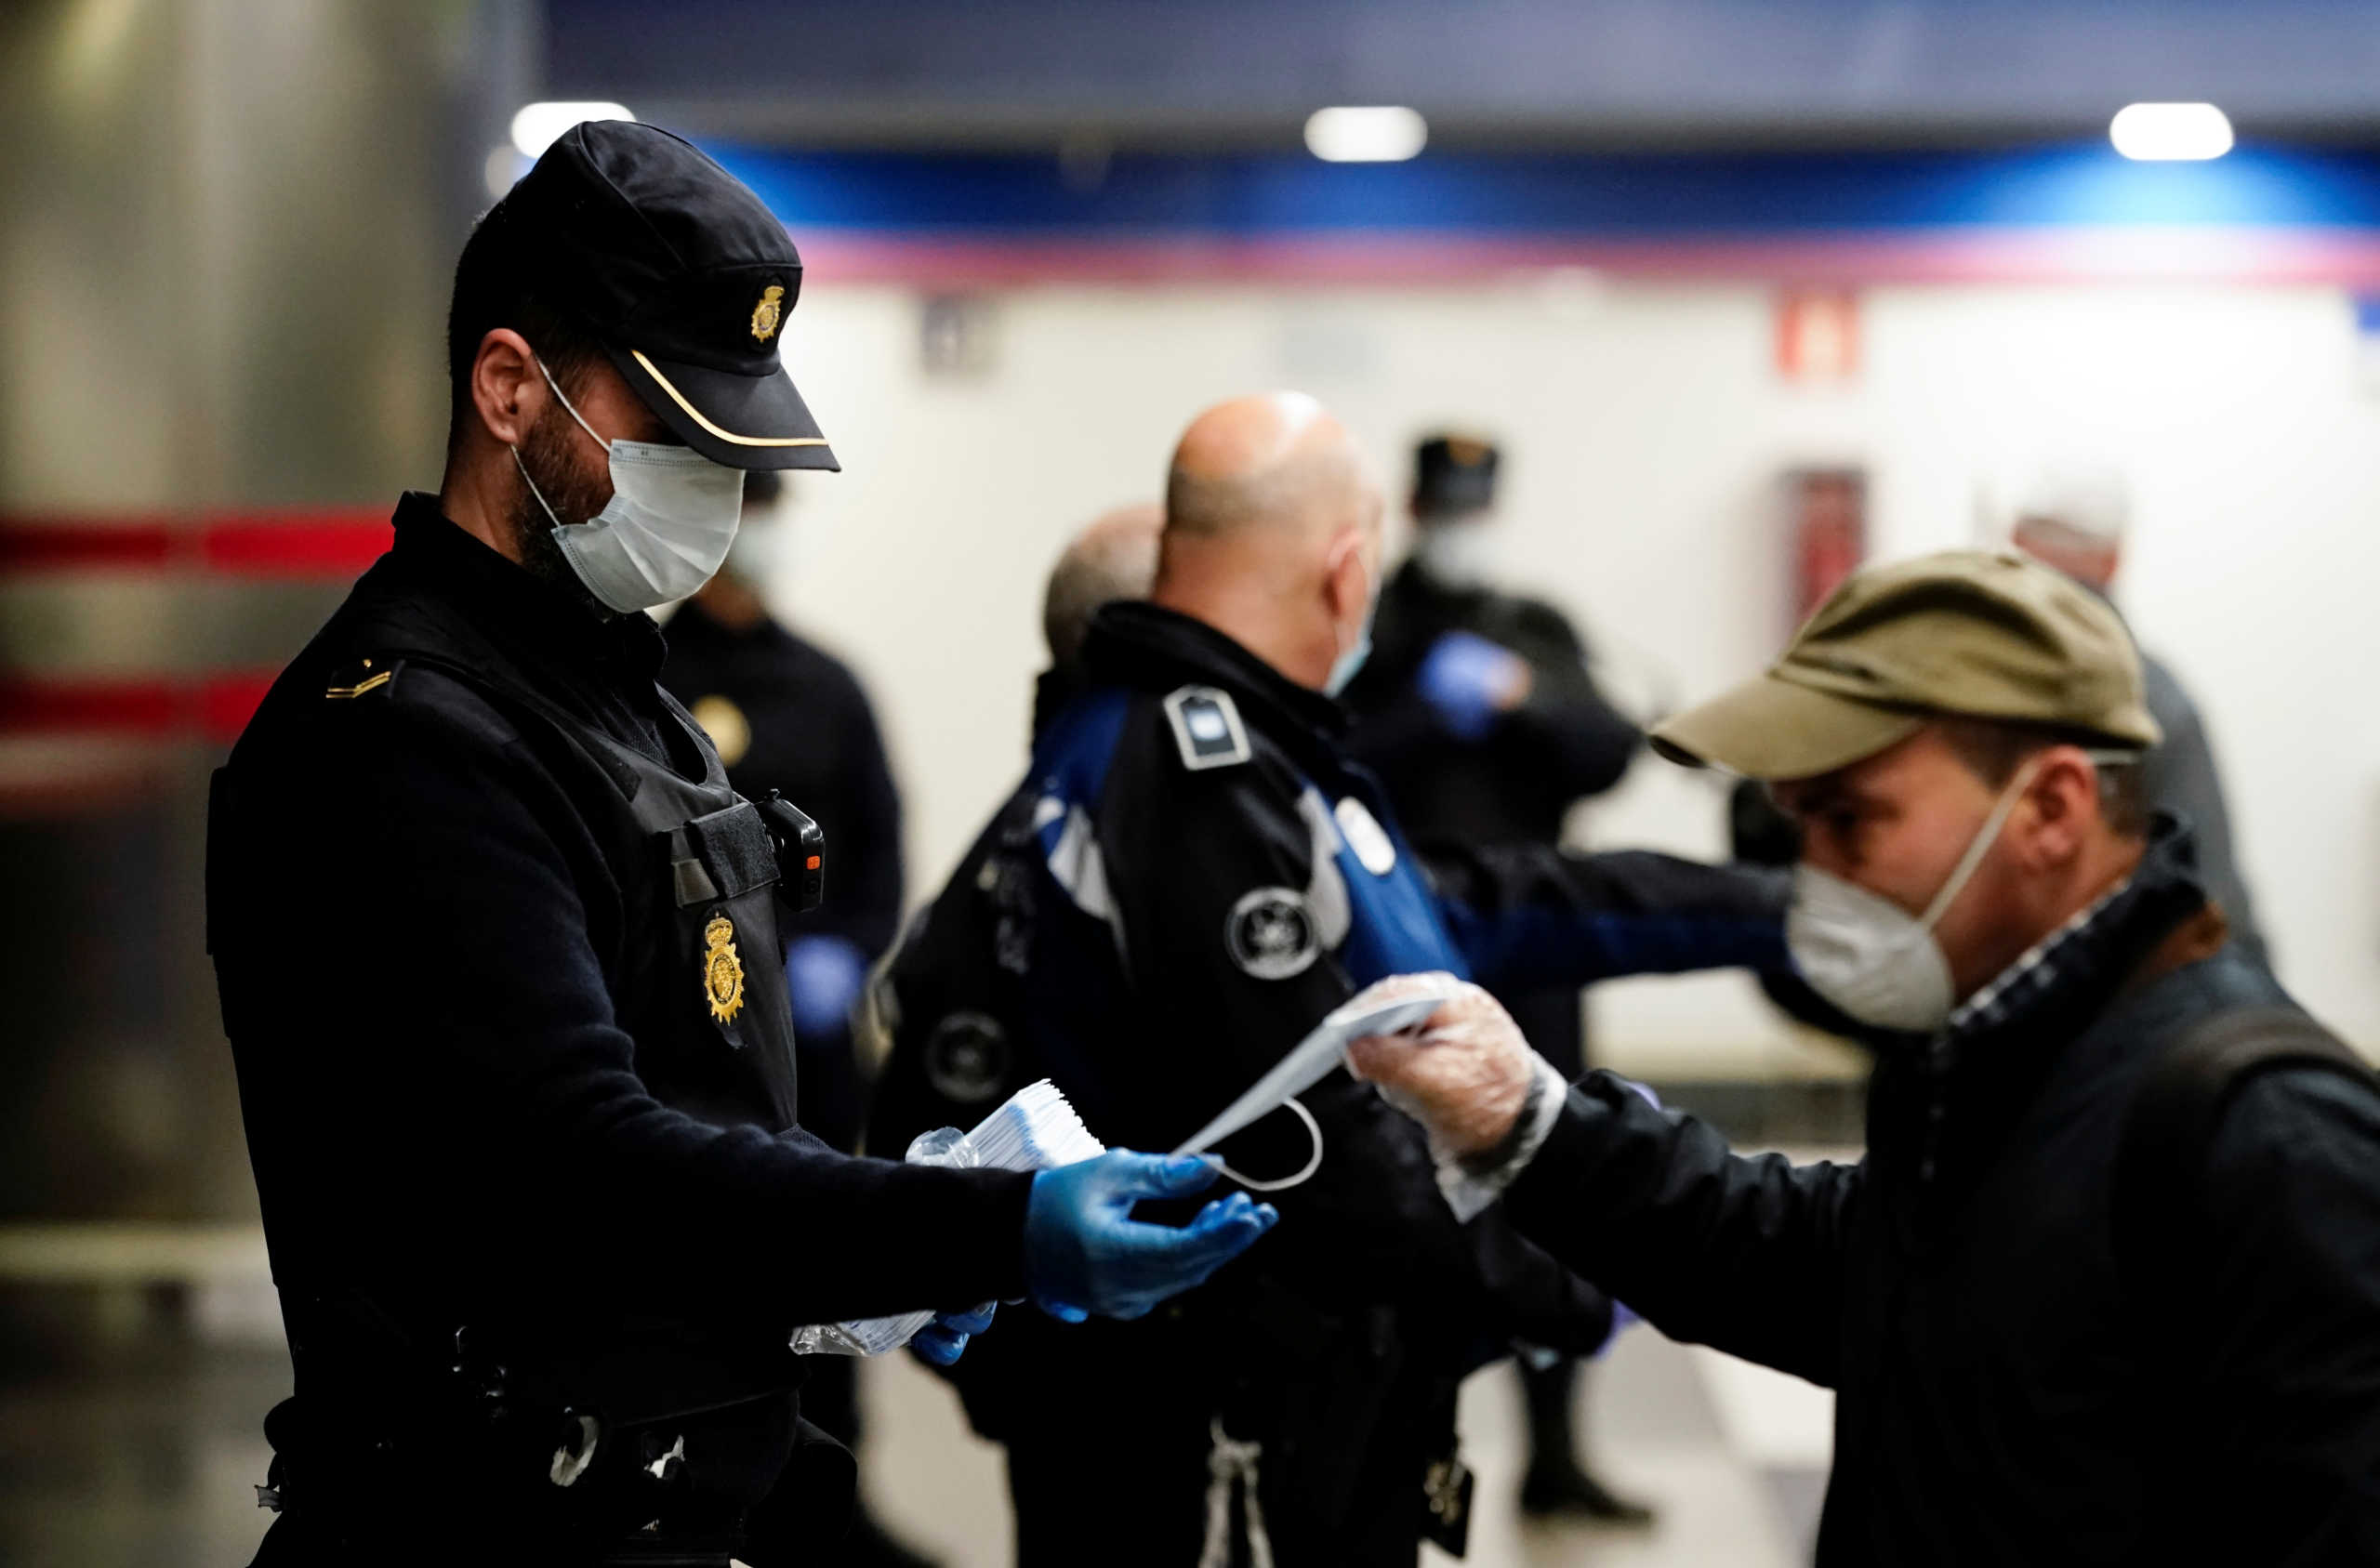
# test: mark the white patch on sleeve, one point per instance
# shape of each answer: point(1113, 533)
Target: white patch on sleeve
point(1326, 890)
point(1370, 841)
point(1076, 866)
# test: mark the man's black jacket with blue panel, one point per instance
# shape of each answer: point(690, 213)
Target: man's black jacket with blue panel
point(2028, 1368)
point(499, 964)
point(1192, 875)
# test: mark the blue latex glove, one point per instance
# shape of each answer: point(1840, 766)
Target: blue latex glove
point(945, 1339)
point(823, 975)
point(1084, 1253)
point(1470, 681)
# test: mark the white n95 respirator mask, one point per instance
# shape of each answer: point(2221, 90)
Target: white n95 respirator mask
point(1869, 957)
point(664, 532)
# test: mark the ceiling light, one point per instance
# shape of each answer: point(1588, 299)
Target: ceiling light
point(1365, 136)
point(2171, 132)
point(539, 126)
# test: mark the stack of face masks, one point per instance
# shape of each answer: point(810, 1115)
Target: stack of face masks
point(1035, 1129)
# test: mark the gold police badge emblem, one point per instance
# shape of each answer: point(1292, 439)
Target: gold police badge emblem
point(768, 313)
point(723, 971)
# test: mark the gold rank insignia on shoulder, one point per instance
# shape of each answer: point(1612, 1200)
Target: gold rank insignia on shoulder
point(366, 679)
point(723, 971)
point(768, 313)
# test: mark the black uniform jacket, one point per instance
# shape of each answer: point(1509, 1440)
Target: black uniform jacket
point(2006, 1393)
point(480, 1085)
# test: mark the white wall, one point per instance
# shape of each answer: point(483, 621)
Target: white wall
point(1643, 426)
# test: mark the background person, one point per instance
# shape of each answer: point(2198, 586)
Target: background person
point(1191, 876)
point(2104, 1287)
point(943, 1059)
point(496, 943)
point(2074, 516)
point(1479, 714)
point(1113, 558)
point(785, 715)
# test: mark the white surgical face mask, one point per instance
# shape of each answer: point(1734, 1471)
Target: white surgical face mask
point(1873, 959)
point(1351, 659)
point(664, 531)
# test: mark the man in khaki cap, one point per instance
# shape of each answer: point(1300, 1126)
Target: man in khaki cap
point(2106, 1287)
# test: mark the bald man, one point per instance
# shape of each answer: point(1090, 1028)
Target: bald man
point(929, 1018)
point(1191, 876)
point(1114, 558)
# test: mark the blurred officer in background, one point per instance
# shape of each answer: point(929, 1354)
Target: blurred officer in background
point(1477, 711)
point(2074, 516)
point(495, 940)
point(943, 1059)
point(2106, 1287)
point(785, 715)
point(937, 1019)
point(1193, 874)
point(1114, 558)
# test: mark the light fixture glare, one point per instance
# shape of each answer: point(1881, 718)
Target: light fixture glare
point(2165, 133)
point(539, 126)
point(1380, 135)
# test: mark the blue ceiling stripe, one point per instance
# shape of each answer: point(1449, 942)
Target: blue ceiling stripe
point(1648, 194)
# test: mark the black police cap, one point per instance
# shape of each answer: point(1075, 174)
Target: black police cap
point(682, 274)
point(1453, 474)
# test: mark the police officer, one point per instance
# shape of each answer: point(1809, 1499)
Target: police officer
point(1478, 713)
point(2105, 1287)
point(785, 715)
point(1192, 875)
point(496, 937)
point(1113, 557)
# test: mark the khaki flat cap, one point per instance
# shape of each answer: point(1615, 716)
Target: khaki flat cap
point(1963, 634)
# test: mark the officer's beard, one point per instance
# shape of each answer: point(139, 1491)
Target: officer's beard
point(556, 454)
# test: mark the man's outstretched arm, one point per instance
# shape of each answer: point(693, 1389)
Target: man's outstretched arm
point(1744, 1254)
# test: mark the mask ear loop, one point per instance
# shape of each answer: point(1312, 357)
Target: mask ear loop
point(569, 407)
point(1986, 836)
point(1313, 1131)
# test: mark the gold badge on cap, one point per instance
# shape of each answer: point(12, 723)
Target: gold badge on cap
point(723, 971)
point(768, 313)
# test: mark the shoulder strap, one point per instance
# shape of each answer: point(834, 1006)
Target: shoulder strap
point(2160, 1154)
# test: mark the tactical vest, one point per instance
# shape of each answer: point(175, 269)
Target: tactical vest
point(582, 1436)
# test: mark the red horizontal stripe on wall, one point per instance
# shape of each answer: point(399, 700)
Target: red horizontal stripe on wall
point(27, 545)
point(332, 545)
point(314, 545)
point(215, 707)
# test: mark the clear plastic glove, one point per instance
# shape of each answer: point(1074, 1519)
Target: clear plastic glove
point(1084, 1253)
point(1470, 681)
point(945, 1339)
point(1464, 1073)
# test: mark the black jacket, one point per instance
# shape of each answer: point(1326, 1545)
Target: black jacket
point(480, 1084)
point(1519, 779)
point(2005, 1393)
point(809, 732)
